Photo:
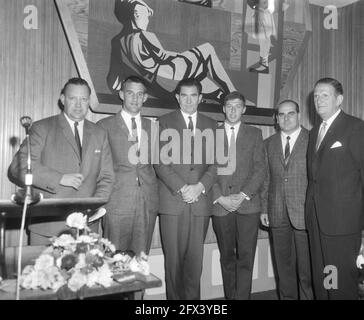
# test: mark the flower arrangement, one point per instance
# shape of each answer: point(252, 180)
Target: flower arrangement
point(76, 260)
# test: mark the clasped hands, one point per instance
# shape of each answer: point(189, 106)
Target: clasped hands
point(73, 180)
point(191, 192)
point(231, 202)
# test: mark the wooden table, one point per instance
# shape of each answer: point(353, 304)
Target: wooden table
point(134, 289)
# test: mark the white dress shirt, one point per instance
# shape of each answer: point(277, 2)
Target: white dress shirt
point(187, 119)
point(293, 138)
point(229, 131)
point(127, 119)
point(329, 122)
point(79, 127)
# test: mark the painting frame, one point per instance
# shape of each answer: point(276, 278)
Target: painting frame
point(253, 115)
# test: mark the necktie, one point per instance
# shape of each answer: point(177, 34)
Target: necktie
point(287, 151)
point(78, 140)
point(190, 124)
point(321, 134)
point(232, 151)
point(190, 127)
point(134, 132)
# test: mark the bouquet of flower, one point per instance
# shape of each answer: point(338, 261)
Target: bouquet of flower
point(76, 260)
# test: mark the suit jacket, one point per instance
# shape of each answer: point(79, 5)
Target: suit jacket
point(54, 153)
point(175, 175)
point(336, 177)
point(249, 174)
point(286, 185)
point(130, 174)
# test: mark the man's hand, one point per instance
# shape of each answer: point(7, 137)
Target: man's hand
point(264, 219)
point(226, 203)
point(237, 199)
point(73, 180)
point(191, 193)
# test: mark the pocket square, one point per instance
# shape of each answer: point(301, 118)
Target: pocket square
point(97, 151)
point(337, 144)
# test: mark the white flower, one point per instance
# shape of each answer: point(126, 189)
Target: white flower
point(144, 267)
point(92, 278)
point(96, 252)
point(360, 261)
point(86, 239)
point(77, 281)
point(139, 265)
point(43, 262)
point(63, 241)
point(105, 276)
point(77, 220)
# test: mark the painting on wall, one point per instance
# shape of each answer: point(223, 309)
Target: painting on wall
point(228, 45)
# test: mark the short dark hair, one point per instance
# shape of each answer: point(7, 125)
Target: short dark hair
point(234, 95)
point(334, 83)
point(289, 101)
point(134, 79)
point(77, 82)
point(189, 82)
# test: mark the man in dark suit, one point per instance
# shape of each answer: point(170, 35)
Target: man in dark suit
point(70, 156)
point(185, 190)
point(237, 204)
point(334, 203)
point(283, 198)
point(133, 205)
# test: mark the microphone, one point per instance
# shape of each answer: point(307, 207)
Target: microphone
point(26, 122)
point(28, 193)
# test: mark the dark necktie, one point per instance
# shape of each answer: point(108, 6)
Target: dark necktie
point(190, 124)
point(287, 151)
point(78, 140)
point(190, 127)
point(134, 132)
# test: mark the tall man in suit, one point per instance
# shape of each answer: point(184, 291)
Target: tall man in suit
point(236, 197)
point(185, 191)
point(334, 204)
point(133, 204)
point(70, 156)
point(283, 198)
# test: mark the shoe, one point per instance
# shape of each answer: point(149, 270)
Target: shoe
point(260, 69)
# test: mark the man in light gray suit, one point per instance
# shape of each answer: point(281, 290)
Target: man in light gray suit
point(70, 156)
point(283, 203)
point(133, 205)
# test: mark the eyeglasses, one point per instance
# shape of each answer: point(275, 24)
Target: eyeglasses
point(290, 114)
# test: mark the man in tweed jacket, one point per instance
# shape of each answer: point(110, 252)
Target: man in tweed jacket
point(283, 203)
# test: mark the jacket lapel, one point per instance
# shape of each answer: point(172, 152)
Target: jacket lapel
point(297, 146)
point(278, 148)
point(330, 134)
point(87, 134)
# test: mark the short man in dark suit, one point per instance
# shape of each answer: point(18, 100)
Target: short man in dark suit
point(236, 198)
point(71, 158)
point(283, 198)
point(185, 191)
point(334, 203)
point(133, 205)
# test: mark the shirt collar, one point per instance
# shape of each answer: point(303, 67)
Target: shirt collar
point(331, 119)
point(293, 135)
point(127, 116)
point(236, 126)
point(71, 122)
point(187, 115)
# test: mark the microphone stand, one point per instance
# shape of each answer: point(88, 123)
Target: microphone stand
point(25, 197)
